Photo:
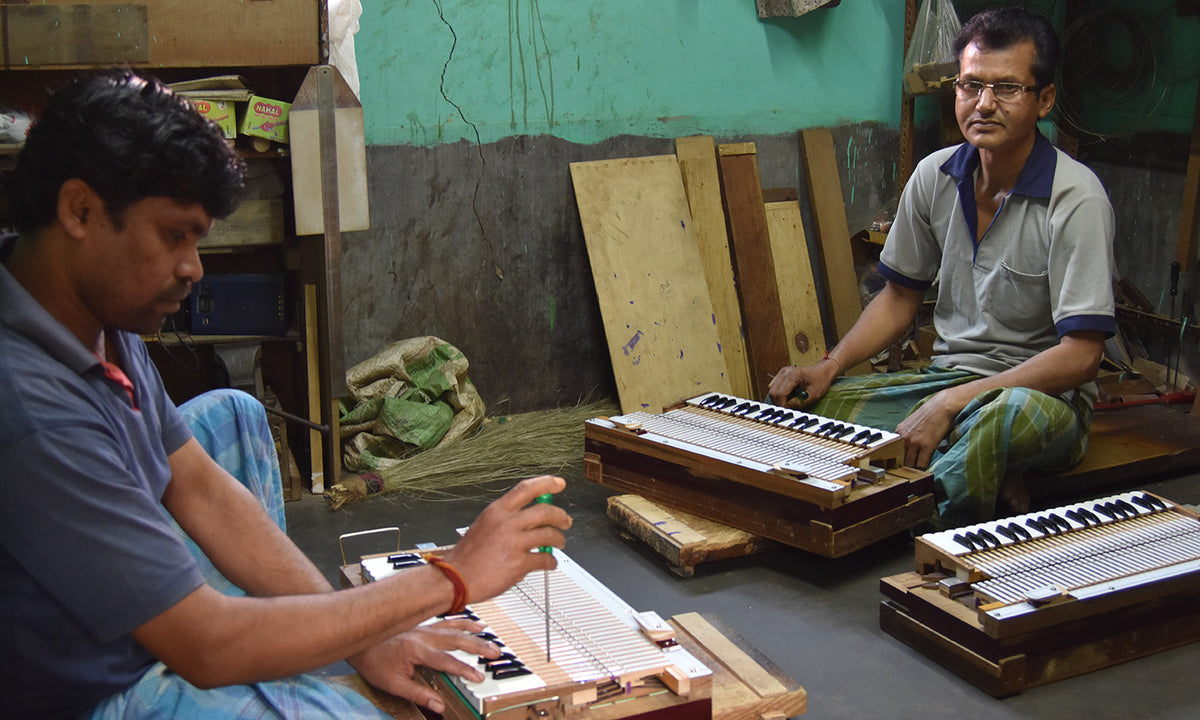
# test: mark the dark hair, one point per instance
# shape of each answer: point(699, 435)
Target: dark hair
point(128, 138)
point(1003, 28)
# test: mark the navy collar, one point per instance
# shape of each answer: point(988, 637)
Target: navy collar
point(1036, 179)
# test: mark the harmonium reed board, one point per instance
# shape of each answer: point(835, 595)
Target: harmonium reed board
point(605, 661)
point(822, 485)
point(1035, 598)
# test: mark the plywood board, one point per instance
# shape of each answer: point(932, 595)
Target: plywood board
point(797, 288)
point(255, 222)
point(226, 33)
point(349, 147)
point(741, 189)
point(701, 180)
point(658, 318)
point(829, 213)
point(77, 34)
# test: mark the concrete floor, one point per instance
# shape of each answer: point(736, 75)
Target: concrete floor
point(817, 619)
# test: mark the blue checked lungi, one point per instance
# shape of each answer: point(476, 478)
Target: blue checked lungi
point(1002, 431)
point(232, 427)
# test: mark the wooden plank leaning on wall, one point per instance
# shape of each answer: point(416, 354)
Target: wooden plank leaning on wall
point(741, 188)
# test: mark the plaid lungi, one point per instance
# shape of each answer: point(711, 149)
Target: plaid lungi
point(1002, 431)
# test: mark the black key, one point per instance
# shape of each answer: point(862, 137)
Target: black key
point(1104, 508)
point(812, 420)
point(1006, 532)
point(849, 429)
point(1144, 501)
point(511, 672)
point(489, 637)
point(498, 665)
point(1018, 530)
point(1127, 507)
point(1090, 515)
point(1037, 525)
point(1077, 517)
point(1066, 526)
point(504, 657)
point(964, 541)
point(990, 537)
point(464, 615)
point(1156, 502)
point(875, 437)
point(786, 415)
point(861, 436)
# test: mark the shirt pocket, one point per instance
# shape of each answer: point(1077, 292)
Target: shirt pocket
point(1017, 301)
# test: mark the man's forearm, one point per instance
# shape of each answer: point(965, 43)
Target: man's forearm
point(235, 532)
point(883, 321)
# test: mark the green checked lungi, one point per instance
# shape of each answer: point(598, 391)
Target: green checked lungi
point(1001, 431)
point(232, 427)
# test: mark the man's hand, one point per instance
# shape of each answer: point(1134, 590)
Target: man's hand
point(925, 428)
point(499, 547)
point(391, 665)
point(796, 387)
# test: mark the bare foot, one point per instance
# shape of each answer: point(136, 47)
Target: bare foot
point(1013, 498)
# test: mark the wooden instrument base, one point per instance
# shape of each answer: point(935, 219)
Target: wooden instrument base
point(745, 686)
point(948, 631)
point(901, 500)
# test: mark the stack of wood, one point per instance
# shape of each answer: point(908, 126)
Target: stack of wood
point(704, 279)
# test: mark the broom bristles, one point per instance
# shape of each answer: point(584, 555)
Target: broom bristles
point(505, 448)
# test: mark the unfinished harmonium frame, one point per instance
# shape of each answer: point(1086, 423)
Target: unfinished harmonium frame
point(588, 655)
point(822, 485)
point(1035, 598)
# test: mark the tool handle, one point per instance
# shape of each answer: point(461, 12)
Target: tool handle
point(548, 499)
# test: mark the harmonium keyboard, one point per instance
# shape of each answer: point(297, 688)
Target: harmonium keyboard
point(822, 485)
point(1035, 598)
point(605, 660)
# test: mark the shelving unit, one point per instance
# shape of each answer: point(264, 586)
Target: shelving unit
point(273, 45)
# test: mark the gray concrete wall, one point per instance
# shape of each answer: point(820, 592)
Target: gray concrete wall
point(482, 246)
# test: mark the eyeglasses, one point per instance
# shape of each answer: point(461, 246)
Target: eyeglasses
point(1003, 91)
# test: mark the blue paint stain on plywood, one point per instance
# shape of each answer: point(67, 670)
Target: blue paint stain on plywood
point(633, 341)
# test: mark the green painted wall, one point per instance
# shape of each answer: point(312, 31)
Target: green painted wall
point(586, 71)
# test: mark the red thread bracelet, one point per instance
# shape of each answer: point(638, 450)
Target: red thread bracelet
point(459, 603)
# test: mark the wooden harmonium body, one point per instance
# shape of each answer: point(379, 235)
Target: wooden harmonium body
point(605, 660)
point(1027, 600)
point(822, 485)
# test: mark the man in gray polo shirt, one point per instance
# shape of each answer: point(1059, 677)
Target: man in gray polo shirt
point(1018, 238)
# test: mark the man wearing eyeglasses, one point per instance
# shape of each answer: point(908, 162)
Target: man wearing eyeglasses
point(1017, 237)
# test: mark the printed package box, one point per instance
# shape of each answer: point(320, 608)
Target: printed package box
point(220, 112)
point(266, 118)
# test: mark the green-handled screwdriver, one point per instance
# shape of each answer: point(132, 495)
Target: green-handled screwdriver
point(548, 499)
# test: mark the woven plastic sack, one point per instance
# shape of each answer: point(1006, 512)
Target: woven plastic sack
point(930, 60)
point(408, 397)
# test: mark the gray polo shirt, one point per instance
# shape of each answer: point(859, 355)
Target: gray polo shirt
point(1042, 269)
point(86, 550)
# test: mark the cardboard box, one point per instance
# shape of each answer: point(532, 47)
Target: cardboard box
point(266, 118)
point(220, 112)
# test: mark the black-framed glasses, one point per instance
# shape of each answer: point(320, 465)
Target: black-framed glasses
point(1003, 91)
